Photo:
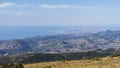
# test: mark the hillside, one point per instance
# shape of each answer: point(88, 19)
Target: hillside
point(106, 62)
point(62, 43)
point(46, 57)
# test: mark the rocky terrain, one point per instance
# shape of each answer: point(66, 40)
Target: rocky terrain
point(62, 43)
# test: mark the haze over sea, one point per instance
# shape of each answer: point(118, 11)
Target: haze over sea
point(20, 32)
point(15, 32)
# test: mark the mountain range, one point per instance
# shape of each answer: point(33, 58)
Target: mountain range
point(62, 43)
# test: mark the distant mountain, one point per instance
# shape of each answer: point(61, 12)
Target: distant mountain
point(62, 43)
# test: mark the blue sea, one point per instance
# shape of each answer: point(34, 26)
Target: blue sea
point(20, 32)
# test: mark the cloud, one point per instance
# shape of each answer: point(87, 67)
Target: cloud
point(11, 4)
point(48, 6)
point(3, 5)
point(15, 13)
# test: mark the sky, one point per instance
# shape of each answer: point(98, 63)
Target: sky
point(59, 12)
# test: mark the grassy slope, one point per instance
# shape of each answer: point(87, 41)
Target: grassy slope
point(107, 62)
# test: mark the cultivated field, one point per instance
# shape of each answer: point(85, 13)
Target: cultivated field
point(107, 62)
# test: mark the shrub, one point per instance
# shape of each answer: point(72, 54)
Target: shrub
point(85, 58)
point(115, 55)
point(17, 65)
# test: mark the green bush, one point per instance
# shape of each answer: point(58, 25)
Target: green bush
point(115, 55)
point(16, 65)
point(85, 58)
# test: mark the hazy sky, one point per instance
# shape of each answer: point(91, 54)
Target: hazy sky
point(59, 12)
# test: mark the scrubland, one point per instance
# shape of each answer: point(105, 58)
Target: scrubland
point(106, 62)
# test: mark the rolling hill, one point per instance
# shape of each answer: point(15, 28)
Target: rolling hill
point(62, 43)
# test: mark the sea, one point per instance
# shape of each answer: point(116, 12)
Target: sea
point(20, 32)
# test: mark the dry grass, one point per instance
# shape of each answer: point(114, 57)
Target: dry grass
point(107, 62)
